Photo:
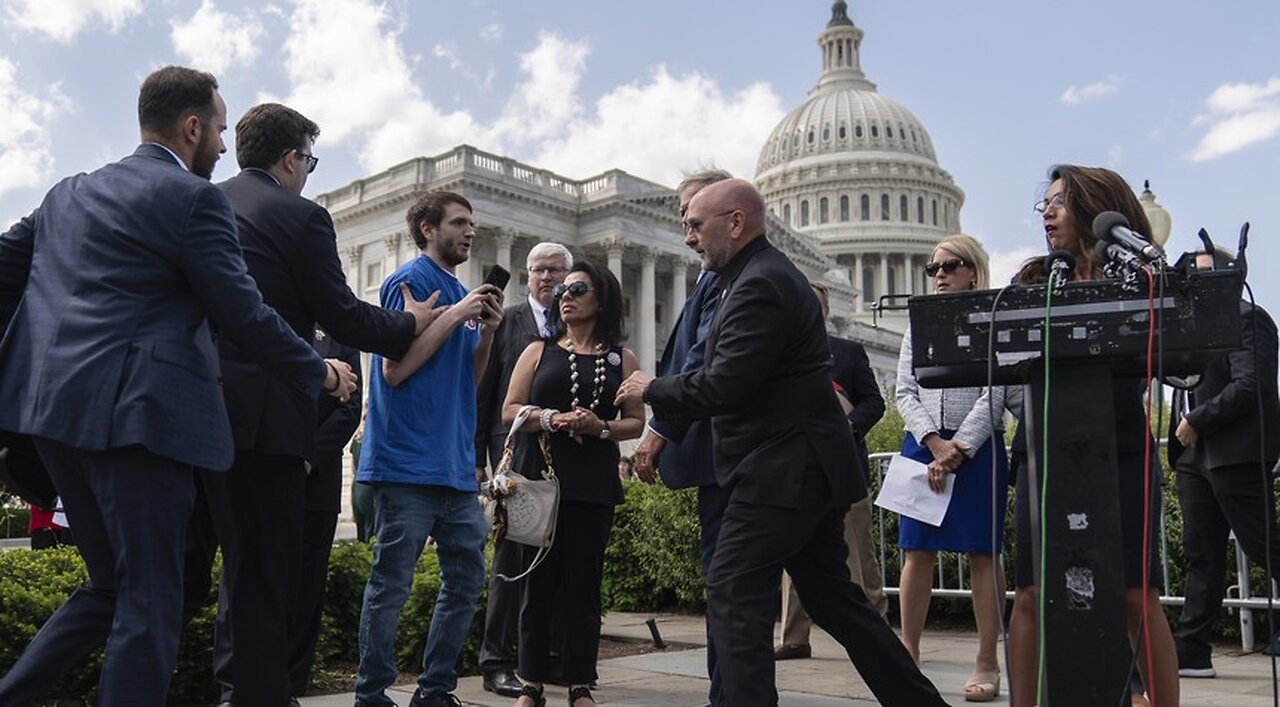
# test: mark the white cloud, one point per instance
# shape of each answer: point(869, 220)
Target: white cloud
point(328, 57)
point(1079, 94)
point(25, 159)
point(491, 33)
point(63, 19)
point(547, 99)
point(1240, 115)
point(668, 123)
point(214, 41)
point(1005, 264)
point(448, 52)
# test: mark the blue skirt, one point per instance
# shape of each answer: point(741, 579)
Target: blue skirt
point(967, 526)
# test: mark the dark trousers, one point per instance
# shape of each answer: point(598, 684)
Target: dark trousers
point(502, 612)
point(756, 543)
point(129, 509)
point(571, 575)
point(324, 500)
point(712, 500)
point(261, 571)
point(1213, 503)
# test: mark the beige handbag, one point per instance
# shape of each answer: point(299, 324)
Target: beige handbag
point(523, 510)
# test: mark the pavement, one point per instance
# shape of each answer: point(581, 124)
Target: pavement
point(676, 677)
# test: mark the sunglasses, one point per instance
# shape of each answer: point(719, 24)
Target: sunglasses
point(577, 289)
point(946, 266)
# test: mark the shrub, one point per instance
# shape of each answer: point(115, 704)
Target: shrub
point(653, 560)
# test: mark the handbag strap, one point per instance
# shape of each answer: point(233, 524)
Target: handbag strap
point(516, 424)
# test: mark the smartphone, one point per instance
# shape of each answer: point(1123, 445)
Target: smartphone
point(498, 277)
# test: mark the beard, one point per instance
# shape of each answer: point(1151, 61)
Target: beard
point(206, 155)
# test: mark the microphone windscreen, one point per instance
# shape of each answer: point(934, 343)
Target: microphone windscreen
point(1105, 221)
point(1060, 256)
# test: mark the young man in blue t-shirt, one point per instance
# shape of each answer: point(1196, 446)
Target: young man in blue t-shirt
point(419, 453)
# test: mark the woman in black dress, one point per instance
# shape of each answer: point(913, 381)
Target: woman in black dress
point(572, 379)
point(1074, 197)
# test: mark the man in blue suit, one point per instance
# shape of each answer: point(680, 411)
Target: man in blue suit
point(686, 461)
point(110, 364)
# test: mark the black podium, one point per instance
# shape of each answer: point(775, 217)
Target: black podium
point(1096, 331)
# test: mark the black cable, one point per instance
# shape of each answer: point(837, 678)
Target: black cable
point(1267, 487)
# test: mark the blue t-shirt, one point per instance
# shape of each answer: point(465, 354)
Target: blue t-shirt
point(423, 431)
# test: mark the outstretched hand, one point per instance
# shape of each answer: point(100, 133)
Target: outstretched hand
point(339, 380)
point(424, 311)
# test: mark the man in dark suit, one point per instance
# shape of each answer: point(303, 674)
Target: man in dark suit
point(524, 322)
point(863, 404)
point(1222, 446)
point(336, 422)
point(782, 447)
point(111, 365)
point(682, 448)
point(291, 251)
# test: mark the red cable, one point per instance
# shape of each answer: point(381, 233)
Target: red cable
point(1146, 490)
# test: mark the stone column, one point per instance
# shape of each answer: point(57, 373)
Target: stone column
point(503, 241)
point(884, 275)
point(679, 287)
point(647, 313)
point(391, 260)
point(352, 268)
point(858, 294)
point(613, 251)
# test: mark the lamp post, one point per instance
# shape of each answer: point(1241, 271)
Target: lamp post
point(1161, 223)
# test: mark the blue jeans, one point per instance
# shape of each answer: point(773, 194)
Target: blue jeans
point(405, 515)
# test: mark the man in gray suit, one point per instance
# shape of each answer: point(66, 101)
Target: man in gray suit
point(110, 364)
point(525, 322)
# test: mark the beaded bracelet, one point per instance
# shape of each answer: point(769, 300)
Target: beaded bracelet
point(545, 419)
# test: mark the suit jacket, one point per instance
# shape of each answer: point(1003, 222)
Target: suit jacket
point(1225, 414)
point(291, 250)
point(336, 422)
point(110, 344)
point(687, 460)
point(851, 368)
point(766, 385)
point(517, 330)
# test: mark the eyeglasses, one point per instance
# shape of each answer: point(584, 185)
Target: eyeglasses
point(1043, 205)
point(694, 225)
point(577, 289)
point(946, 266)
point(312, 160)
point(539, 272)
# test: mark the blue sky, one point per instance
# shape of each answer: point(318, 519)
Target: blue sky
point(1184, 94)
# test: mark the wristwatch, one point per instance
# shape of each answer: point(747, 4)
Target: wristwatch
point(605, 432)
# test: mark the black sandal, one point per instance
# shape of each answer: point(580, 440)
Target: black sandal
point(534, 692)
point(577, 693)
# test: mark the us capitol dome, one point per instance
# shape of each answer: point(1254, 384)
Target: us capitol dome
point(856, 171)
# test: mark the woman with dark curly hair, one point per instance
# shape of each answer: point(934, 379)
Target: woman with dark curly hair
point(1074, 197)
point(572, 378)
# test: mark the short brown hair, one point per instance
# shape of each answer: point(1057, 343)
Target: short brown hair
point(267, 131)
point(429, 209)
point(171, 93)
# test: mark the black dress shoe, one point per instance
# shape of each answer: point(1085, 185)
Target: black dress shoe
point(503, 682)
point(791, 651)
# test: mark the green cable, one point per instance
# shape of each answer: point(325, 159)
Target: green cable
point(1044, 481)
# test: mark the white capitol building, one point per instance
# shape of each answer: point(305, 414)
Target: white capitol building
point(850, 177)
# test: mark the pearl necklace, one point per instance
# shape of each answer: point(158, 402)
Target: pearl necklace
point(597, 382)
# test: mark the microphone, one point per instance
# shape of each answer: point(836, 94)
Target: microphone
point(1113, 227)
point(1118, 254)
point(1061, 262)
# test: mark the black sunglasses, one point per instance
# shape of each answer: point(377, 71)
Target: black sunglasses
point(312, 160)
point(946, 266)
point(577, 289)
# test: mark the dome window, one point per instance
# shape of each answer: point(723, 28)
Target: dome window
point(875, 131)
point(903, 212)
point(913, 136)
point(919, 209)
point(810, 139)
point(865, 207)
point(844, 132)
point(786, 214)
point(844, 208)
point(935, 212)
point(884, 207)
point(804, 213)
point(826, 133)
point(857, 131)
point(888, 131)
point(823, 210)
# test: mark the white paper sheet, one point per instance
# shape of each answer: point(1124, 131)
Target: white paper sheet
point(905, 490)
